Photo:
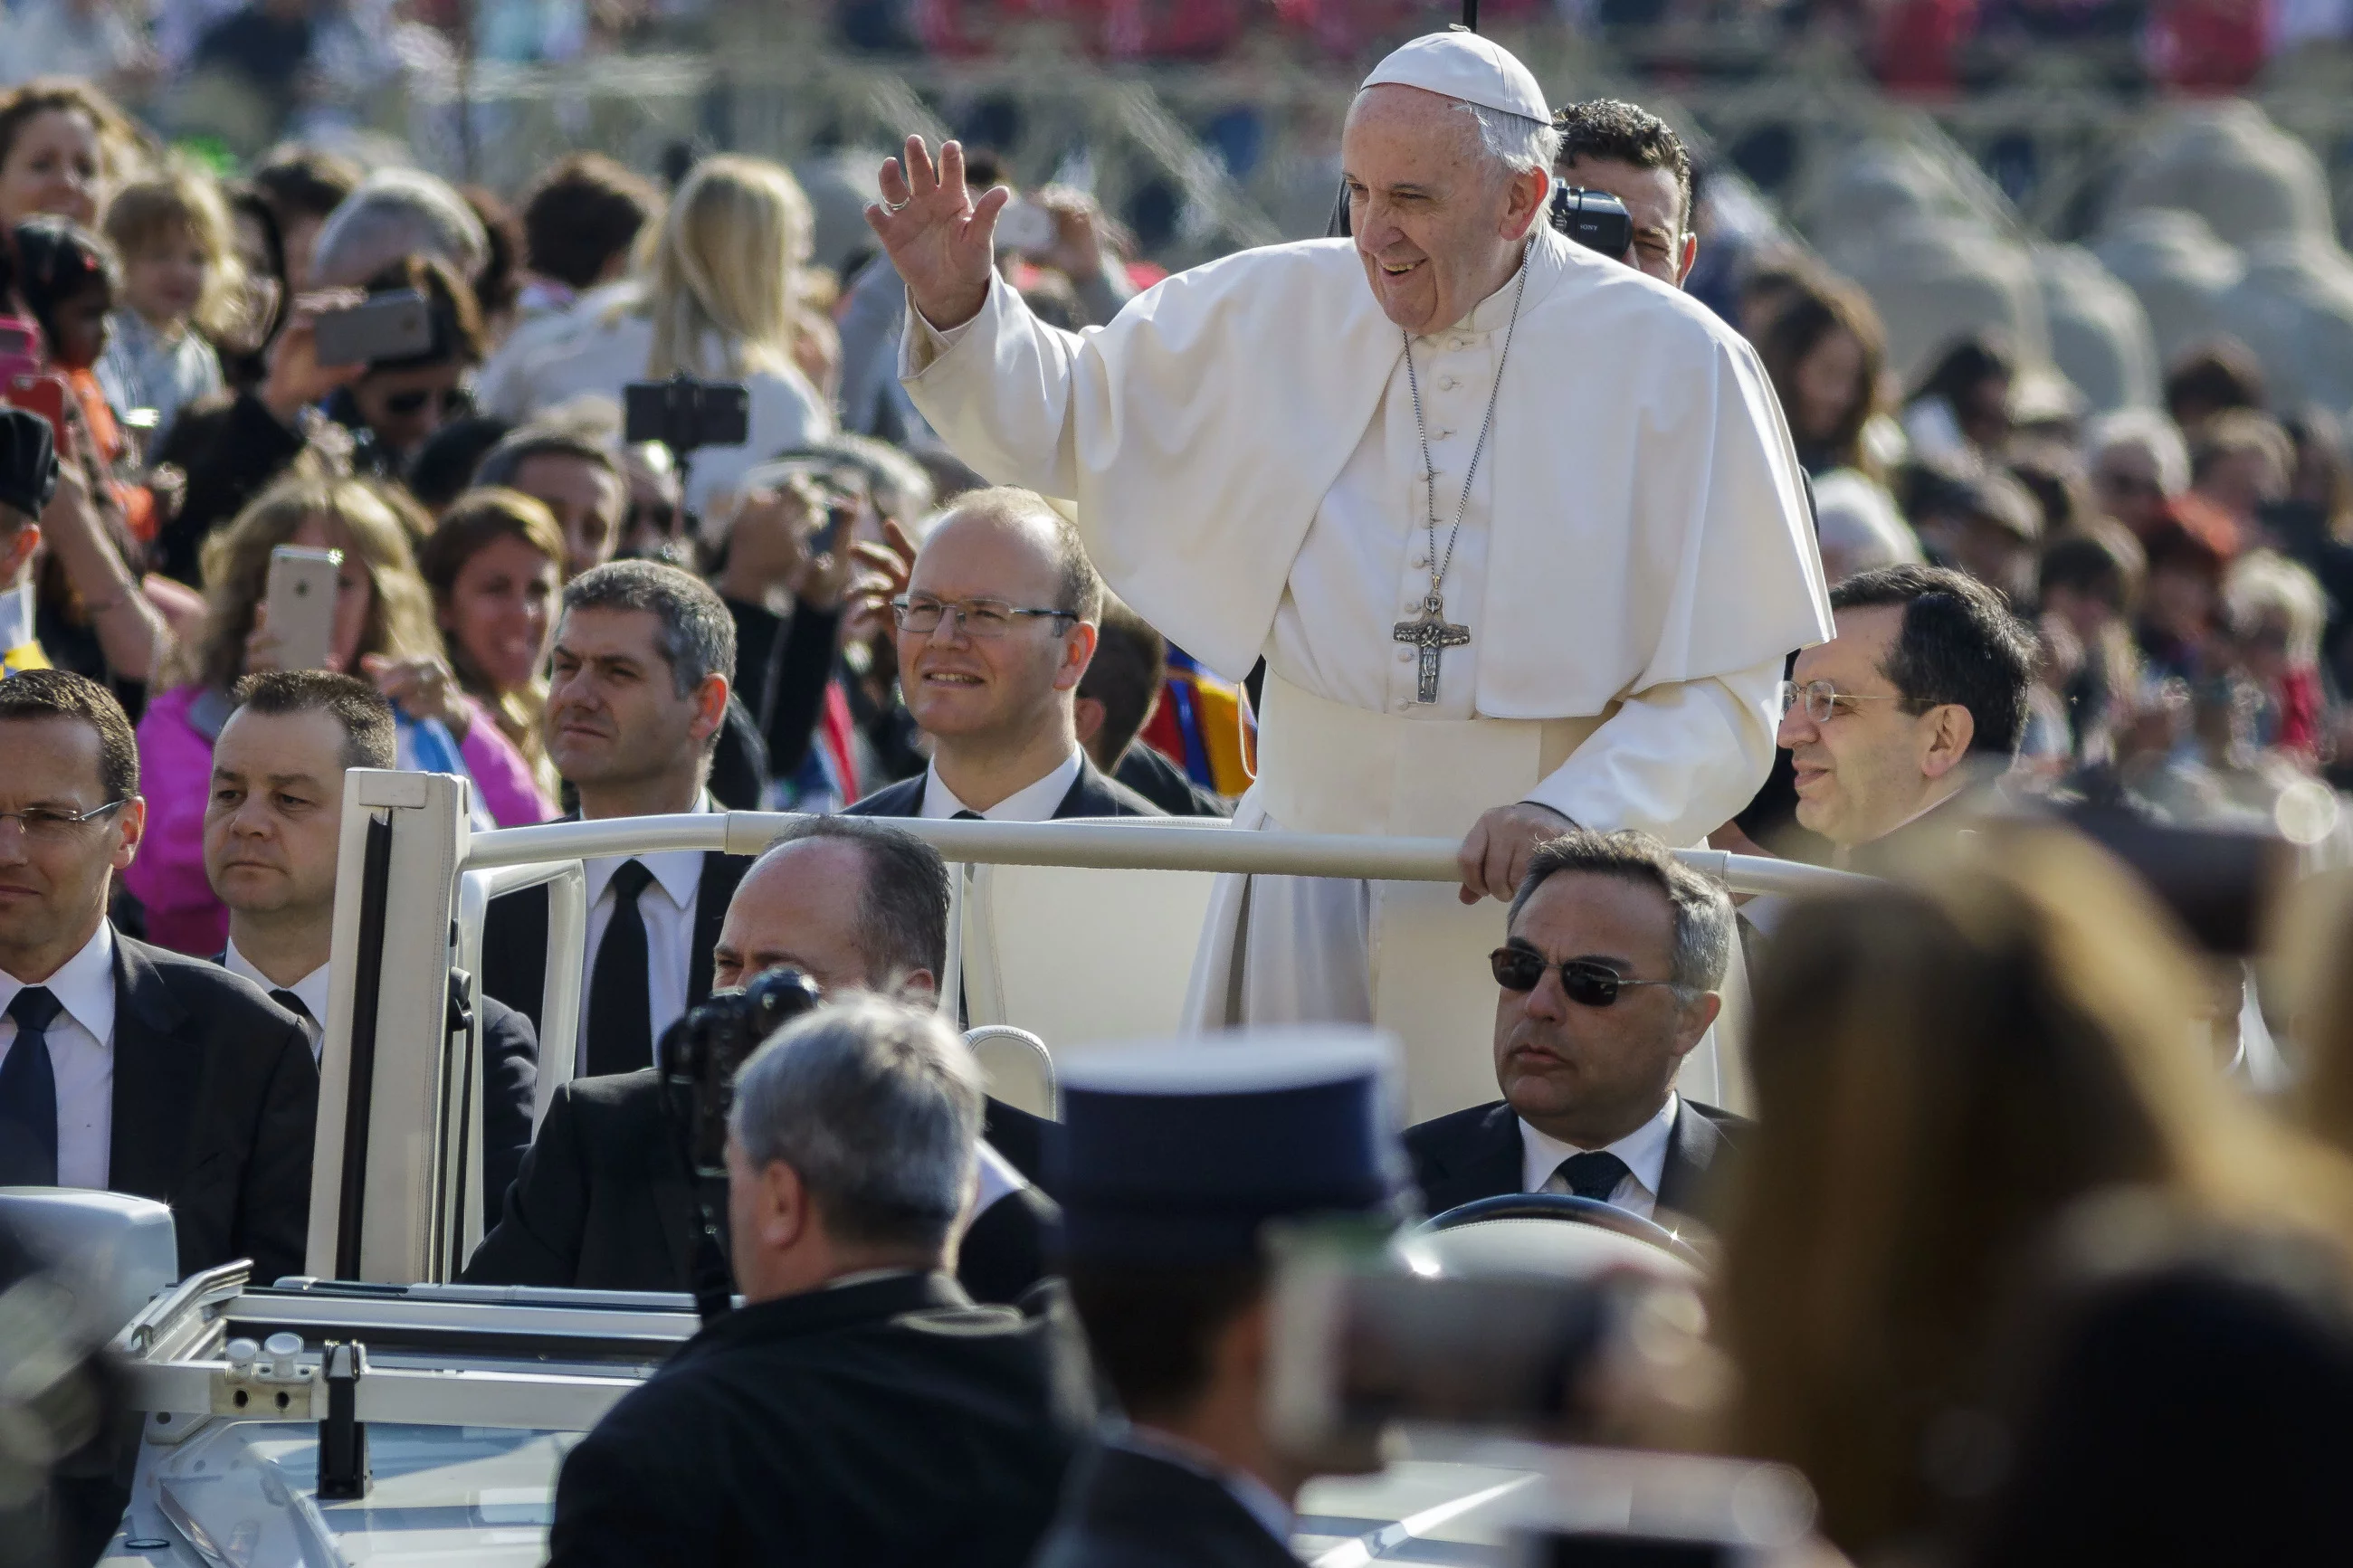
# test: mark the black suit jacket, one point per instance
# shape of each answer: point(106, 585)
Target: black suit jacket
point(605, 1202)
point(216, 1105)
point(1476, 1153)
point(890, 1424)
point(514, 941)
point(1126, 1509)
point(1090, 795)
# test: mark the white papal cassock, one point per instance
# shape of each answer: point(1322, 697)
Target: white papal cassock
point(1238, 449)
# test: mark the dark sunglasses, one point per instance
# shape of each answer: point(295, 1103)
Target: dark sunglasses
point(404, 404)
point(1586, 981)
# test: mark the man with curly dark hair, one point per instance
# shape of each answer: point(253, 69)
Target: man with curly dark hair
point(1634, 155)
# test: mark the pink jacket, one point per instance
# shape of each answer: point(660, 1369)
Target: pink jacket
point(175, 768)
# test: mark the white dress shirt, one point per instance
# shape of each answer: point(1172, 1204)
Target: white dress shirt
point(313, 989)
point(1031, 803)
point(81, 1055)
point(668, 908)
point(1644, 1150)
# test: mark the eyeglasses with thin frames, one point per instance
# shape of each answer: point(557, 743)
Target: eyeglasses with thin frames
point(981, 619)
point(46, 825)
point(1823, 701)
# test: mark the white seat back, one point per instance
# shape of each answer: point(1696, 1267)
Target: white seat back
point(1015, 1068)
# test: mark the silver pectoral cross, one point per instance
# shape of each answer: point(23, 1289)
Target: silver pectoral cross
point(1430, 633)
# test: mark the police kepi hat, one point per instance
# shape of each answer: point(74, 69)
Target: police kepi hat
point(1181, 1151)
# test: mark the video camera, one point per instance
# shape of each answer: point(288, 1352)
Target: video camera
point(1595, 220)
point(702, 1053)
point(686, 414)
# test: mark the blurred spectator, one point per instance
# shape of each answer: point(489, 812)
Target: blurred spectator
point(1826, 353)
point(1769, 285)
point(266, 47)
point(2090, 583)
point(2138, 462)
point(2314, 525)
point(91, 39)
point(722, 300)
point(2275, 612)
point(86, 608)
point(574, 478)
point(1116, 698)
point(581, 220)
point(2052, 475)
point(1942, 1068)
point(1960, 410)
point(494, 563)
point(1904, 721)
point(303, 186)
point(1634, 155)
point(28, 477)
point(1857, 527)
point(383, 629)
point(2241, 461)
point(63, 147)
point(391, 215)
point(182, 282)
point(2181, 606)
point(395, 405)
point(1987, 524)
point(443, 468)
point(2210, 379)
point(498, 287)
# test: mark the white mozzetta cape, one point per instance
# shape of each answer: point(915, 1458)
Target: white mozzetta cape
point(1649, 519)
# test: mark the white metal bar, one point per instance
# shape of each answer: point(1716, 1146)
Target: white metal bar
point(560, 993)
point(1136, 845)
point(528, 1401)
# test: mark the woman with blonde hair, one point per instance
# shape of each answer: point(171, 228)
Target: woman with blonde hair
point(383, 629)
point(721, 295)
point(495, 565)
point(1943, 1070)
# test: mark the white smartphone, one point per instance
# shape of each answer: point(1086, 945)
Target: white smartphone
point(1025, 228)
point(301, 600)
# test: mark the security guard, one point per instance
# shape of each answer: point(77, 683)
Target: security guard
point(1169, 1163)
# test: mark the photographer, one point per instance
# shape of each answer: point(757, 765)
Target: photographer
point(1634, 155)
point(858, 1409)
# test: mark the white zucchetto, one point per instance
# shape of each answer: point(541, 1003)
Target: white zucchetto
point(1464, 65)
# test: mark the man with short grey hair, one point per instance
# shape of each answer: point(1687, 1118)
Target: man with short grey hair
point(637, 692)
point(396, 213)
point(1609, 978)
point(857, 1408)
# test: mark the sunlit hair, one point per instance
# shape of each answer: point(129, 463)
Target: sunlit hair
point(724, 281)
point(480, 518)
point(185, 202)
point(120, 148)
point(1516, 142)
point(236, 573)
point(1942, 1068)
point(2263, 584)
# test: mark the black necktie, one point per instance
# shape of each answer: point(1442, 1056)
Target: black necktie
point(292, 1004)
point(1593, 1175)
point(28, 1095)
point(621, 997)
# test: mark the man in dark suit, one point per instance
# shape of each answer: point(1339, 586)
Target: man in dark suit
point(1608, 979)
point(122, 1066)
point(1171, 1161)
point(638, 695)
point(859, 1409)
point(605, 1200)
point(996, 628)
point(273, 827)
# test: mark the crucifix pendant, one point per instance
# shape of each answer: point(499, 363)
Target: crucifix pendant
point(1430, 633)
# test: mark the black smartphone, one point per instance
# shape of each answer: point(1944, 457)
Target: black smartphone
point(686, 414)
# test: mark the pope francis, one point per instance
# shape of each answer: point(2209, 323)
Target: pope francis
point(1517, 529)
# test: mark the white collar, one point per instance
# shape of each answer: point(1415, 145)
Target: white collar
point(83, 986)
point(1031, 803)
point(1644, 1150)
point(17, 607)
point(678, 872)
point(1257, 1497)
point(314, 987)
point(1493, 313)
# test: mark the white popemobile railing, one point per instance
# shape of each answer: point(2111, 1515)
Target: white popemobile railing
point(396, 1192)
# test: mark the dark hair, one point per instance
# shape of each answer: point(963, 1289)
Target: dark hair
point(1959, 644)
point(500, 283)
point(2219, 374)
point(443, 468)
point(246, 201)
point(456, 319)
point(903, 910)
point(583, 212)
point(1817, 308)
point(1702, 910)
point(61, 694)
point(1131, 660)
point(698, 635)
point(2053, 475)
point(2095, 562)
point(56, 260)
point(369, 740)
point(19, 106)
point(1625, 133)
point(518, 447)
point(1152, 1326)
point(301, 182)
point(1965, 363)
point(2315, 434)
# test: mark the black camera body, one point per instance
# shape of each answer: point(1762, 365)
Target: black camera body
point(1595, 220)
point(686, 414)
point(702, 1053)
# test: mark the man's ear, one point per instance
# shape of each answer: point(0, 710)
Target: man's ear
point(1698, 1016)
point(1524, 210)
point(1691, 255)
point(785, 1213)
point(917, 987)
point(710, 708)
point(1089, 713)
point(19, 550)
point(1078, 652)
point(1951, 729)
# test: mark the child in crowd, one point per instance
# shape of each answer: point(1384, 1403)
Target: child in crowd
point(68, 278)
point(180, 276)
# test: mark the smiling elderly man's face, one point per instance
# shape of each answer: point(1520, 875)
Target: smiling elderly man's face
point(1438, 222)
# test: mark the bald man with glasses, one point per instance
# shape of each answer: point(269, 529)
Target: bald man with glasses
point(1607, 979)
point(997, 623)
